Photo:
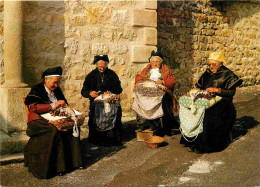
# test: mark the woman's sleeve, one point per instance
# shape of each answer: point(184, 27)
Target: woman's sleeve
point(201, 82)
point(40, 108)
point(227, 93)
point(170, 80)
point(117, 89)
point(85, 91)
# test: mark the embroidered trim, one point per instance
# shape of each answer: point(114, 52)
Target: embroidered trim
point(234, 83)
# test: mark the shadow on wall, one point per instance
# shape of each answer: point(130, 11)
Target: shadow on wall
point(234, 11)
point(175, 40)
point(43, 38)
point(242, 20)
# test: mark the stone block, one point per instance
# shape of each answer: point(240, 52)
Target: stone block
point(80, 20)
point(141, 53)
point(13, 115)
point(203, 18)
point(120, 17)
point(225, 20)
point(187, 46)
point(92, 14)
point(226, 32)
point(144, 18)
point(150, 36)
point(212, 19)
point(2, 29)
point(179, 45)
point(150, 4)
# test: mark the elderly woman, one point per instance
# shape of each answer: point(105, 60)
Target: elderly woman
point(105, 126)
point(218, 119)
point(49, 151)
point(158, 105)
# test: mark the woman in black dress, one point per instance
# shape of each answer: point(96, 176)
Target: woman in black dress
point(49, 151)
point(219, 118)
point(101, 80)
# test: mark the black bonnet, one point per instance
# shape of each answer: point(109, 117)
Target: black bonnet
point(56, 71)
point(155, 54)
point(100, 58)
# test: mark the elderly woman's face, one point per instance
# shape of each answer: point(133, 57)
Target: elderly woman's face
point(214, 65)
point(52, 82)
point(101, 66)
point(155, 62)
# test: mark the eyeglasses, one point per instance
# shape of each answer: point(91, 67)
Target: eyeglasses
point(213, 65)
point(56, 83)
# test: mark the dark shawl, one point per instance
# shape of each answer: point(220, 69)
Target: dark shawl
point(93, 82)
point(39, 95)
point(48, 150)
point(224, 78)
point(111, 82)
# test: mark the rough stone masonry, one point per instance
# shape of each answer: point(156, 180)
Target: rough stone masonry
point(70, 33)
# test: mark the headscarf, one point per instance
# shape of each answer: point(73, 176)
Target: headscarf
point(218, 56)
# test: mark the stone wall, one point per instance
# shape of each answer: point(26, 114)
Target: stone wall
point(188, 31)
point(71, 33)
point(1, 42)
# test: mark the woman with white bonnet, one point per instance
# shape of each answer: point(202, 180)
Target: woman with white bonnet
point(49, 152)
point(155, 110)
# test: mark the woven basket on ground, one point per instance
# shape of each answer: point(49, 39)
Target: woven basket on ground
point(142, 135)
point(154, 141)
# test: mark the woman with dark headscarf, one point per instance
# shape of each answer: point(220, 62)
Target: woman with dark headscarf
point(49, 151)
point(156, 109)
point(104, 126)
point(218, 119)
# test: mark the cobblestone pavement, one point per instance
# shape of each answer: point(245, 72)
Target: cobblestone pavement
point(137, 165)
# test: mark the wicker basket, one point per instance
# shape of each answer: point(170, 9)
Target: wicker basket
point(142, 135)
point(154, 141)
point(67, 123)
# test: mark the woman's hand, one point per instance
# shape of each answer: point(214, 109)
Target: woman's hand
point(80, 119)
point(159, 81)
point(108, 92)
point(93, 94)
point(137, 85)
point(212, 89)
point(60, 103)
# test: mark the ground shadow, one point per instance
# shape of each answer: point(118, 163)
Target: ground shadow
point(242, 125)
point(92, 153)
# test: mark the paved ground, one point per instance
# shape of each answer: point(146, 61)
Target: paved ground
point(135, 164)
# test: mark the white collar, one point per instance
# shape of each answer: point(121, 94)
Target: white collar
point(48, 90)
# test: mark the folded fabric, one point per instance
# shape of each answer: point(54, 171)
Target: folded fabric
point(105, 120)
point(191, 124)
point(148, 105)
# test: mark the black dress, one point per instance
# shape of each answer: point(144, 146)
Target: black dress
point(107, 81)
point(219, 118)
point(49, 151)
